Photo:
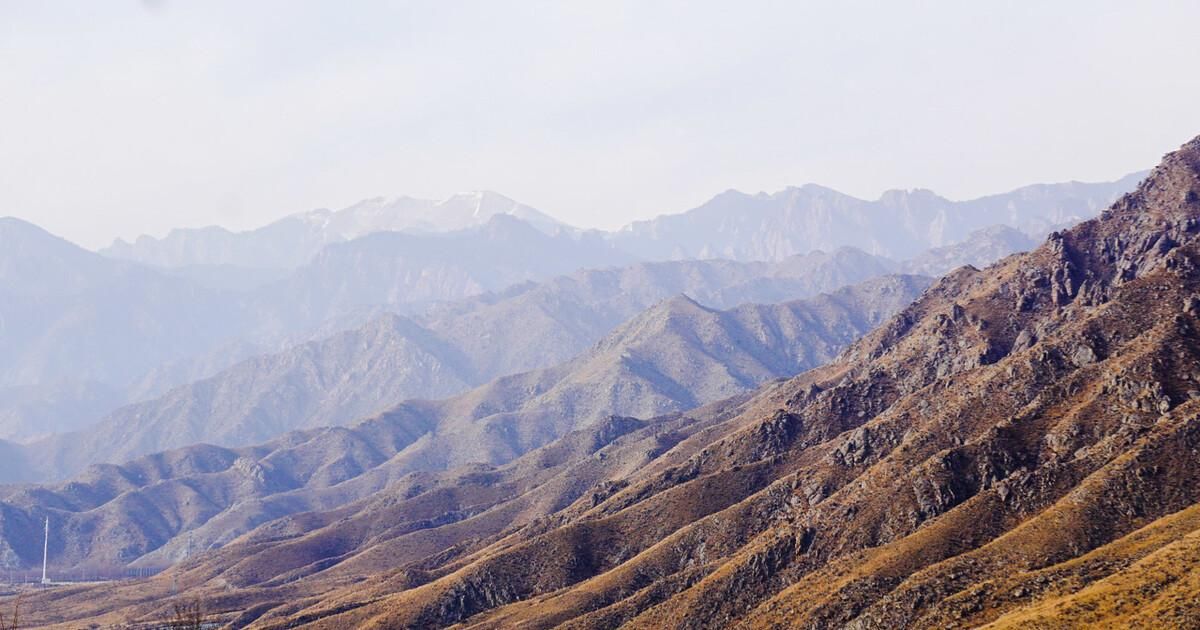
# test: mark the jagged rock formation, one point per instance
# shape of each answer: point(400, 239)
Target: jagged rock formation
point(674, 356)
point(1011, 441)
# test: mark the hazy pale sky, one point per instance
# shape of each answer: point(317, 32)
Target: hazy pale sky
point(124, 117)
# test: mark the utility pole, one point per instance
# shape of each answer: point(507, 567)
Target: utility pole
point(46, 552)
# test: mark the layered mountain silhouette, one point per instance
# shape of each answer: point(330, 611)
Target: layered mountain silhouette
point(1018, 446)
point(75, 321)
point(900, 224)
point(59, 294)
point(293, 241)
point(733, 225)
point(674, 356)
point(81, 334)
point(354, 373)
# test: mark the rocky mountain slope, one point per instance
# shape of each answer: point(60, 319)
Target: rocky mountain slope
point(1018, 446)
point(675, 355)
point(900, 224)
point(293, 241)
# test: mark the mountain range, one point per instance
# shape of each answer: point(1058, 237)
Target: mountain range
point(143, 311)
point(456, 345)
point(900, 224)
point(733, 225)
point(673, 356)
point(352, 373)
point(87, 333)
point(1017, 447)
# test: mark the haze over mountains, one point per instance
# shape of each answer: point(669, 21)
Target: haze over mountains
point(293, 241)
point(674, 356)
point(86, 329)
point(86, 321)
point(900, 224)
point(733, 225)
point(392, 358)
point(1018, 445)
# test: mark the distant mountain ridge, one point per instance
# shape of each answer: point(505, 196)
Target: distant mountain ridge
point(900, 224)
point(164, 327)
point(54, 285)
point(364, 370)
point(69, 316)
point(349, 284)
point(733, 225)
point(293, 240)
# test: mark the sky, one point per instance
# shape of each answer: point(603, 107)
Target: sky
point(125, 117)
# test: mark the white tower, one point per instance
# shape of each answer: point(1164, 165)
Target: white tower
point(46, 552)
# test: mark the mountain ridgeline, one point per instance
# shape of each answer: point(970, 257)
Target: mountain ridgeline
point(293, 241)
point(733, 225)
point(74, 321)
point(900, 224)
point(1016, 447)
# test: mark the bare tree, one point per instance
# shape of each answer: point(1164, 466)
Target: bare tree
point(12, 622)
point(188, 616)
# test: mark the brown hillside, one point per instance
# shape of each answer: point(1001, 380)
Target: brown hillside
point(1020, 445)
